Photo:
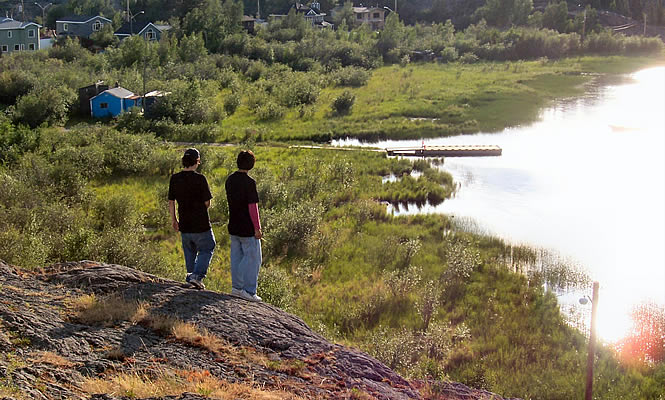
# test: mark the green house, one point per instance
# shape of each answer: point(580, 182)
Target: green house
point(18, 36)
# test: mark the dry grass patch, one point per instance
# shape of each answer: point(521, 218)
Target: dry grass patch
point(107, 311)
point(91, 310)
point(176, 382)
point(48, 357)
point(190, 334)
point(11, 391)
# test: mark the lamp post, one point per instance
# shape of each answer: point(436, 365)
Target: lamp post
point(131, 21)
point(592, 341)
point(43, 9)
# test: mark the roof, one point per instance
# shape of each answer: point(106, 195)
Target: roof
point(156, 93)
point(80, 19)
point(138, 26)
point(118, 92)
point(247, 18)
point(365, 9)
point(8, 23)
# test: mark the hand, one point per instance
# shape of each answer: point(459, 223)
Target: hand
point(258, 234)
point(176, 226)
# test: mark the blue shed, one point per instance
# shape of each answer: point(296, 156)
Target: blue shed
point(113, 102)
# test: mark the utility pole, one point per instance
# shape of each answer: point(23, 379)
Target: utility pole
point(645, 24)
point(258, 9)
point(584, 25)
point(592, 345)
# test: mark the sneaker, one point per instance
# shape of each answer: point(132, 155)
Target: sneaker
point(236, 292)
point(197, 283)
point(250, 297)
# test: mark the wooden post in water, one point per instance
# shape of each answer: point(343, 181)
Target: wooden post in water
point(592, 345)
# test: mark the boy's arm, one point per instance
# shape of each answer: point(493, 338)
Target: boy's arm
point(256, 220)
point(174, 220)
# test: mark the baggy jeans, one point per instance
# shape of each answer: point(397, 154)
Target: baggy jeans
point(245, 263)
point(198, 249)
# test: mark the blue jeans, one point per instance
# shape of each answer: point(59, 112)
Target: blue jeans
point(245, 262)
point(198, 249)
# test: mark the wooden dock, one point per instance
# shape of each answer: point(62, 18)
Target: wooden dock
point(447, 151)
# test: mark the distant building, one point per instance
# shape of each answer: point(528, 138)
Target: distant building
point(248, 23)
point(87, 93)
point(18, 36)
point(113, 102)
point(311, 14)
point(80, 25)
point(375, 17)
point(151, 97)
point(144, 28)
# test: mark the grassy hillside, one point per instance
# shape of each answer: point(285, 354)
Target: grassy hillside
point(431, 100)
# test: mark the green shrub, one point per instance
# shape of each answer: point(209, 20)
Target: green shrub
point(299, 90)
point(14, 84)
point(22, 248)
point(231, 103)
point(287, 229)
point(50, 105)
point(275, 287)
point(270, 111)
point(197, 133)
point(343, 103)
point(468, 58)
point(449, 54)
point(351, 76)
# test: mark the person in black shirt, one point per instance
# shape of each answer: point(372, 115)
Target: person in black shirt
point(191, 191)
point(244, 228)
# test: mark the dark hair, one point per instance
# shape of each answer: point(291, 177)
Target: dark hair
point(190, 157)
point(246, 160)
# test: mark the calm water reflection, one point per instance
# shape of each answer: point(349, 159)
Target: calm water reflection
point(587, 180)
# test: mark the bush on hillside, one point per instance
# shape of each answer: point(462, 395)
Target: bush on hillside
point(14, 84)
point(343, 103)
point(350, 76)
point(50, 105)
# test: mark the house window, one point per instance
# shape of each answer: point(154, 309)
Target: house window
point(5, 49)
point(9, 34)
point(31, 46)
point(17, 47)
point(31, 33)
point(97, 26)
point(150, 34)
point(103, 105)
point(377, 15)
point(65, 27)
point(359, 16)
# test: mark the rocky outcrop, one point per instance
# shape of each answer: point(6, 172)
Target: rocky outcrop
point(48, 353)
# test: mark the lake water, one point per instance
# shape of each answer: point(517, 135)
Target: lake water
point(586, 181)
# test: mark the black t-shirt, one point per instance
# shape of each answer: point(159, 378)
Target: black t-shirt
point(190, 189)
point(240, 192)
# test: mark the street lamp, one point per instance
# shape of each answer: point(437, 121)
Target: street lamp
point(592, 340)
point(43, 9)
point(131, 21)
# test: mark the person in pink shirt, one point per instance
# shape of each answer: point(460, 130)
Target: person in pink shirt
point(244, 228)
